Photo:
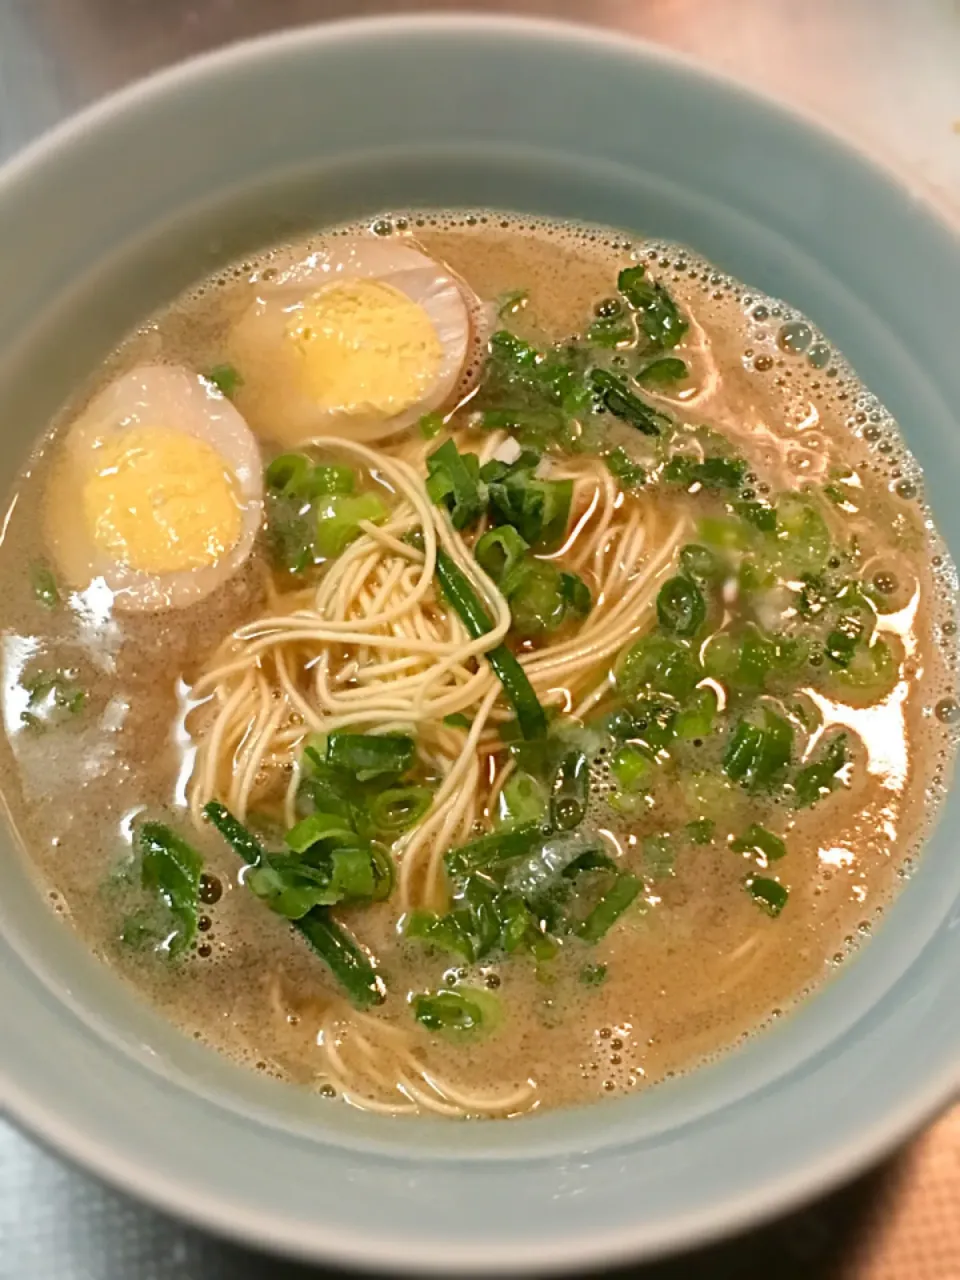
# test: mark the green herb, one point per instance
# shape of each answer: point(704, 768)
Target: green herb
point(469, 608)
point(759, 843)
point(871, 674)
point(666, 369)
point(610, 908)
point(818, 778)
point(629, 474)
point(44, 585)
point(681, 607)
point(769, 894)
point(593, 975)
point(226, 378)
point(617, 399)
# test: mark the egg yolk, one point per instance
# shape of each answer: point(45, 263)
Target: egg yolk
point(161, 501)
point(365, 347)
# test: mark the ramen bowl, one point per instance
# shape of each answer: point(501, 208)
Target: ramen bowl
point(126, 205)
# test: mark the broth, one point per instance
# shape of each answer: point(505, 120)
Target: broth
point(707, 952)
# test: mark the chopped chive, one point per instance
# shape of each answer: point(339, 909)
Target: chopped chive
point(759, 842)
point(610, 908)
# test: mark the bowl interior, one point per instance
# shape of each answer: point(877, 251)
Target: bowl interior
point(474, 113)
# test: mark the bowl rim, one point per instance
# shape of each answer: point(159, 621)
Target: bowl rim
point(85, 1148)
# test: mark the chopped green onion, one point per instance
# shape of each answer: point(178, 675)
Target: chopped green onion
point(700, 831)
point(666, 369)
point(522, 800)
point(758, 754)
point(398, 808)
point(759, 843)
point(431, 424)
point(818, 778)
point(710, 473)
point(490, 850)
point(769, 894)
point(681, 607)
point(509, 303)
point(629, 474)
point(462, 1012)
point(470, 609)
point(367, 755)
point(661, 664)
point(619, 400)
point(803, 539)
point(631, 767)
point(659, 314)
point(347, 961)
point(339, 517)
point(44, 585)
point(289, 473)
point(700, 563)
point(454, 482)
point(226, 378)
point(450, 933)
point(171, 868)
point(457, 720)
point(695, 721)
point(610, 908)
point(611, 331)
point(53, 696)
point(499, 551)
point(658, 857)
point(319, 827)
point(593, 975)
point(557, 856)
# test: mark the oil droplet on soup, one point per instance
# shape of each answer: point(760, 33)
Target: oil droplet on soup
point(563, 685)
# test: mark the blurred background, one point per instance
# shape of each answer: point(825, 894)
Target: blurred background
point(886, 73)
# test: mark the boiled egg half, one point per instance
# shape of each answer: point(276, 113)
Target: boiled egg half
point(360, 339)
point(157, 491)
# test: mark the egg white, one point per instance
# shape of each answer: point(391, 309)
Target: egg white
point(261, 349)
point(151, 396)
